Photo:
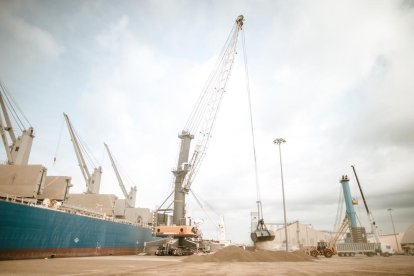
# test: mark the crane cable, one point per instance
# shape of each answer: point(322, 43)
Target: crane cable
point(339, 211)
point(198, 113)
point(93, 162)
point(11, 105)
point(251, 124)
point(58, 142)
point(199, 201)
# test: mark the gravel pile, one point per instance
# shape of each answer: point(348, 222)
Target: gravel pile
point(237, 254)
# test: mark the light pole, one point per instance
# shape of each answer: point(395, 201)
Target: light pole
point(393, 228)
point(279, 141)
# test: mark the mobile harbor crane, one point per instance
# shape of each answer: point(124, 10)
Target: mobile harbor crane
point(199, 126)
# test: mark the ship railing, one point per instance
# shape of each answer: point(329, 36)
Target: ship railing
point(81, 211)
point(68, 209)
point(18, 199)
point(92, 213)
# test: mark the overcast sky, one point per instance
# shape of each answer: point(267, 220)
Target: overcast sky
point(333, 78)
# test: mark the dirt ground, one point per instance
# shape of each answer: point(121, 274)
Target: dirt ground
point(153, 265)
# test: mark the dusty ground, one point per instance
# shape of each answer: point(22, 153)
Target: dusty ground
point(153, 265)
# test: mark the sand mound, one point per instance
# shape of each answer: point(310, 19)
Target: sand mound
point(237, 254)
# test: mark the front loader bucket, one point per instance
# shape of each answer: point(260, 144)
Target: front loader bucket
point(262, 235)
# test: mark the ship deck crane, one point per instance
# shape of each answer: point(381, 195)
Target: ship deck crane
point(129, 197)
point(19, 147)
point(93, 181)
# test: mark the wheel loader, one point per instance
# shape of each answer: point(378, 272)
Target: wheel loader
point(322, 248)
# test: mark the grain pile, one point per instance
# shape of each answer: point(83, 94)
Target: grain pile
point(237, 254)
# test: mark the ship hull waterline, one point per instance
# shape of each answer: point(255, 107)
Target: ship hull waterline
point(34, 232)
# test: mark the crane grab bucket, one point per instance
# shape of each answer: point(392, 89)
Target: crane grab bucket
point(261, 233)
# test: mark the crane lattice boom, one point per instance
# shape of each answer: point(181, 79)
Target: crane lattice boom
point(201, 122)
point(202, 119)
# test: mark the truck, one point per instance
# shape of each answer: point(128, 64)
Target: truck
point(370, 249)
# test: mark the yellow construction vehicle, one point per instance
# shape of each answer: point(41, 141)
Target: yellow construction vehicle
point(322, 248)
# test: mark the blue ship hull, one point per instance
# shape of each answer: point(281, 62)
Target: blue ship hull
point(35, 232)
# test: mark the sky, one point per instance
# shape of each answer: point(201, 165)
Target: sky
point(333, 78)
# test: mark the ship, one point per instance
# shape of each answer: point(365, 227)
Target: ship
point(29, 230)
point(41, 219)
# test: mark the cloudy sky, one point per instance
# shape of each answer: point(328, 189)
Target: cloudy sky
point(334, 78)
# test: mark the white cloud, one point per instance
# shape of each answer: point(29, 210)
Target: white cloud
point(29, 36)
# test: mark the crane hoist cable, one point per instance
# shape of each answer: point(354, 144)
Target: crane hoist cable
point(251, 118)
point(339, 210)
point(58, 142)
point(261, 233)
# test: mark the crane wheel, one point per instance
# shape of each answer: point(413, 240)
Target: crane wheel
point(314, 253)
point(328, 253)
